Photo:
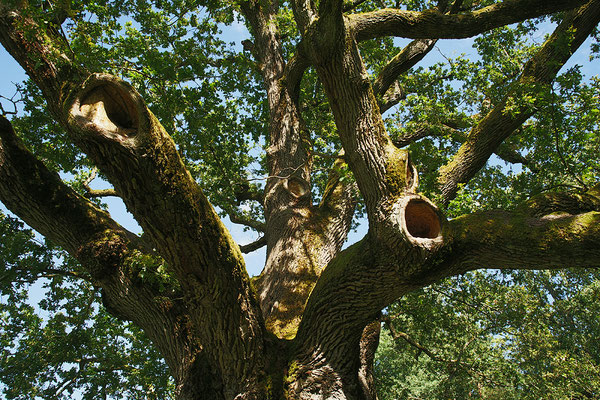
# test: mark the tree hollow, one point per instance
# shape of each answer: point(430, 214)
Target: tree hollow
point(111, 108)
point(421, 220)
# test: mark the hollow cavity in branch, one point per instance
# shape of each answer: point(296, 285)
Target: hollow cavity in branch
point(108, 106)
point(420, 221)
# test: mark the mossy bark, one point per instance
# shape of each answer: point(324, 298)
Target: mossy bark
point(310, 328)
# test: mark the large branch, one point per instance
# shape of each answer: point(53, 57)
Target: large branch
point(407, 58)
point(503, 151)
point(433, 24)
point(105, 249)
point(110, 122)
point(551, 231)
point(501, 122)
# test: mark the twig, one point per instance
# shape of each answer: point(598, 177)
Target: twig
point(96, 193)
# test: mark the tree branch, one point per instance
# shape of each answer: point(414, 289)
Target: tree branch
point(396, 334)
point(433, 24)
point(237, 218)
point(408, 57)
point(502, 121)
point(427, 130)
point(257, 244)
point(550, 231)
point(96, 193)
point(105, 249)
point(110, 122)
point(294, 70)
point(433, 356)
point(338, 203)
point(391, 97)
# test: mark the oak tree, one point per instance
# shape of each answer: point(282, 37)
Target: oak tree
point(287, 136)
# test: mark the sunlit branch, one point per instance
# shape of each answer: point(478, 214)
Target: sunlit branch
point(408, 57)
point(501, 122)
point(241, 219)
point(439, 130)
point(433, 24)
point(294, 70)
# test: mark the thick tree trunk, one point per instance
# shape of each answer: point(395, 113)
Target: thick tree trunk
point(308, 326)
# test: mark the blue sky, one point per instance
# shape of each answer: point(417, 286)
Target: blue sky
point(12, 73)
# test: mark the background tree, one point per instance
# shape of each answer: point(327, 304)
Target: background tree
point(286, 136)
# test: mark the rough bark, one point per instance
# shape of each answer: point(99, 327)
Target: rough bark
point(434, 24)
point(301, 238)
point(311, 328)
point(109, 121)
point(107, 251)
point(501, 122)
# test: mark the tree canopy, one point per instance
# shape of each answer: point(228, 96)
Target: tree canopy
point(474, 178)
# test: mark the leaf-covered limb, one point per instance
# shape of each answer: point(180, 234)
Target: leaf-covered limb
point(433, 24)
point(407, 58)
point(45, 60)
point(505, 118)
point(451, 364)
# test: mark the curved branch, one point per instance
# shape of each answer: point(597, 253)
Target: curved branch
point(433, 24)
point(237, 218)
point(90, 193)
point(294, 70)
point(501, 122)
point(105, 249)
point(391, 97)
point(427, 130)
point(408, 57)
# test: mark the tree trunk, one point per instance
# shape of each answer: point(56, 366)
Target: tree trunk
point(308, 326)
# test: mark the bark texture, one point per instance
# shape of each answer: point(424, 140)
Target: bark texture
point(308, 326)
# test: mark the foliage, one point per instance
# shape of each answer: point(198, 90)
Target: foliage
point(61, 342)
point(509, 335)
